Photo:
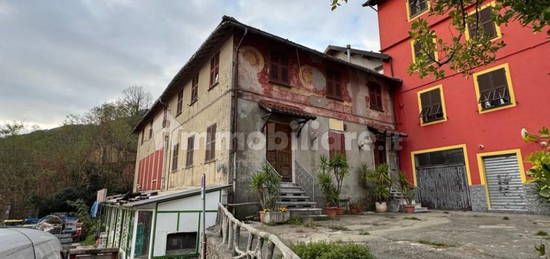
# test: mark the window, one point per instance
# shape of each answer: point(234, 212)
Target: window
point(483, 21)
point(337, 143)
point(416, 8)
point(195, 89)
point(165, 117)
point(210, 143)
point(278, 71)
point(333, 85)
point(380, 150)
point(432, 105)
point(375, 97)
point(445, 157)
point(180, 103)
point(181, 243)
point(418, 53)
point(190, 149)
point(215, 70)
point(151, 130)
point(494, 88)
point(175, 157)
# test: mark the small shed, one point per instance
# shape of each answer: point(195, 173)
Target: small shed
point(166, 225)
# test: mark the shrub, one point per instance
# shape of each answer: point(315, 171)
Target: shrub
point(266, 183)
point(325, 250)
point(540, 160)
point(337, 167)
point(378, 181)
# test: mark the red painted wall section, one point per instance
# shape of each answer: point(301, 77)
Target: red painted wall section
point(526, 54)
point(150, 171)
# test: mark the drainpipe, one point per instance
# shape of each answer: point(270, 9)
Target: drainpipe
point(348, 52)
point(234, 103)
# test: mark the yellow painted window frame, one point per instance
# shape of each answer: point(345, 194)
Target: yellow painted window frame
point(483, 175)
point(436, 55)
point(497, 27)
point(441, 96)
point(409, 18)
point(464, 152)
point(508, 81)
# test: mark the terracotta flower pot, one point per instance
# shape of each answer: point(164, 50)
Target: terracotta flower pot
point(409, 208)
point(331, 211)
point(355, 211)
point(340, 211)
point(381, 207)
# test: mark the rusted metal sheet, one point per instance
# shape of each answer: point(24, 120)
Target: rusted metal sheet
point(443, 187)
point(506, 191)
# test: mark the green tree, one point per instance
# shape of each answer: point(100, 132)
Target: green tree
point(459, 53)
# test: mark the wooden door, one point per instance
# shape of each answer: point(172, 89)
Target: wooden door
point(279, 148)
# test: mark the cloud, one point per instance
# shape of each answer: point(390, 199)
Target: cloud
point(64, 57)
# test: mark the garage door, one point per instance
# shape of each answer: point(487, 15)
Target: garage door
point(506, 191)
point(443, 187)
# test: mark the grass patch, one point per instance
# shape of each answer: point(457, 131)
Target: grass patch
point(339, 228)
point(412, 218)
point(505, 218)
point(542, 233)
point(435, 244)
point(327, 250)
point(295, 221)
point(310, 224)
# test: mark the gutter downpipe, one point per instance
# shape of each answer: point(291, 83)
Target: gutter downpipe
point(234, 102)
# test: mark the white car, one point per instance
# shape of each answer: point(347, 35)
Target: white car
point(25, 243)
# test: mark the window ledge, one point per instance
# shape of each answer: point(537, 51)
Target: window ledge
point(193, 102)
point(213, 85)
point(280, 83)
point(507, 106)
point(432, 122)
point(209, 161)
point(336, 98)
point(189, 167)
point(377, 109)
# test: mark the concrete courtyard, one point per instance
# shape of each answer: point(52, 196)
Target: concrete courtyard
point(437, 234)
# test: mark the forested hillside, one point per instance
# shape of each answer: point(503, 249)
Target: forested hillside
point(40, 171)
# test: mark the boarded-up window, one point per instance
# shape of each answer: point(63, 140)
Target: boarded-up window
point(493, 89)
point(416, 7)
point(334, 89)
point(278, 71)
point(179, 108)
point(432, 108)
point(210, 143)
point(195, 89)
point(175, 157)
point(215, 70)
point(337, 143)
point(482, 22)
point(375, 97)
point(190, 149)
point(380, 150)
point(181, 243)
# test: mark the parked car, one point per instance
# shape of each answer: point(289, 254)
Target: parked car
point(51, 224)
point(24, 243)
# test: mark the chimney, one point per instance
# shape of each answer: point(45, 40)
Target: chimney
point(348, 52)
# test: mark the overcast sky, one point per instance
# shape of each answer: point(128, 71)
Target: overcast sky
point(63, 57)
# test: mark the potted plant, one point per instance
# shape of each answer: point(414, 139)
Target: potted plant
point(356, 207)
point(337, 168)
point(378, 182)
point(266, 183)
point(408, 193)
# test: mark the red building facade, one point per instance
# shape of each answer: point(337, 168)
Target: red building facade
point(464, 149)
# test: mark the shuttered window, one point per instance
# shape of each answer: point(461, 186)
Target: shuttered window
point(483, 21)
point(278, 71)
point(432, 106)
point(195, 89)
point(494, 90)
point(179, 108)
point(210, 143)
point(175, 157)
point(337, 143)
point(375, 97)
point(334, 85)
point(215, 70)
point(416, 7)
point(190, 150)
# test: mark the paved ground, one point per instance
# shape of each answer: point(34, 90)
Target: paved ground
point(436, 234)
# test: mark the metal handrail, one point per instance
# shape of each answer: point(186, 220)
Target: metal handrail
point(230, 231)
point(312, 179)
point(273, 168)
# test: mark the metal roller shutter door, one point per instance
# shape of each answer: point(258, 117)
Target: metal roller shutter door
point(506, 191)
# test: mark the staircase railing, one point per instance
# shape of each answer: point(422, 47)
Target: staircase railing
point(306, 180)
point(258, 241)
point(273, 168)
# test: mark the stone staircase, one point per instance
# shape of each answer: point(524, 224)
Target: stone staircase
point(298, 203)
point(395, 194)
